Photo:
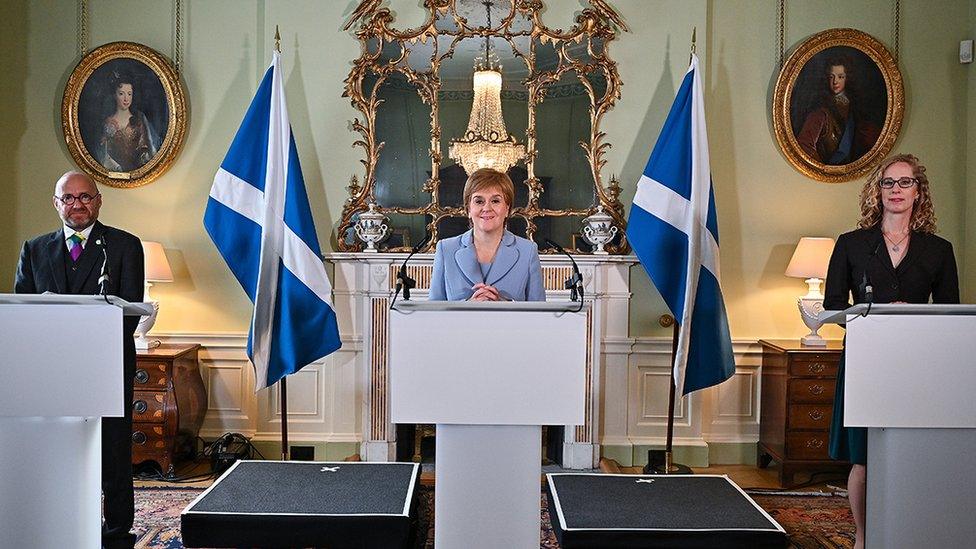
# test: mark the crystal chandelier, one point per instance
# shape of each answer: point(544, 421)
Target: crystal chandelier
point(486, 143)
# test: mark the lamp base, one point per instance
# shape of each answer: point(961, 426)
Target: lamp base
point(813, 340)
point(143, 343)
point(146, 324)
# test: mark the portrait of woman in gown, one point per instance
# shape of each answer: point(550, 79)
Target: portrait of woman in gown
point(128, 140)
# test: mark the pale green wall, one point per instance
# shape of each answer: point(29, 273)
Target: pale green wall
point(764, 204)
point(14, 30)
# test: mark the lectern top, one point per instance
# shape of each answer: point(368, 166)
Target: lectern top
point(508, 306)
point(840, 317)
point(128, 309)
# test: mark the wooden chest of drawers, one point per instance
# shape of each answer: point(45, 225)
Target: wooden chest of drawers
point(796, 406)
point(168, 405)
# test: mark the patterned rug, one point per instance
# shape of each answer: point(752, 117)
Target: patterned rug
point(812, 521)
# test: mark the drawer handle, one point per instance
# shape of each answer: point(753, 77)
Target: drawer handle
point(142, 376)
point(140, 406)
point(816, 415)
point(139, 437)
point(817, 389)
point(814, 443)
point(817, 368)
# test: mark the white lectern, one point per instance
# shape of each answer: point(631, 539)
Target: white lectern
point(910, 379)
point(489, 375)
point(61, 360)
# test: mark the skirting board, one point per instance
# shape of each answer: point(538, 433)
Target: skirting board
point(714, 453)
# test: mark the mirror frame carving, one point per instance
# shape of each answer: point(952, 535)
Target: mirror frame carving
point(375, 24)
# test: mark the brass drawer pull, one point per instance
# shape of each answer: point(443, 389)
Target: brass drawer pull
point(816, 415)
point(817, 389)
point(142, 376)
point(140, 406)
point(814, 443)
point(817, 368)
point(139, 437)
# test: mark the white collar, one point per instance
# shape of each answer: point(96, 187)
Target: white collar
point(69, 232)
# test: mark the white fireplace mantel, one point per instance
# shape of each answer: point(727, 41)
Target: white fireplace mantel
point(363, 285)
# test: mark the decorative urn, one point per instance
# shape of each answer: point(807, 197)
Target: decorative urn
point(598, 229)
point(371, 228)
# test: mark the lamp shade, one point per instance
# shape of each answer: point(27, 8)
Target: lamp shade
point(157, 267)
point(811, 258)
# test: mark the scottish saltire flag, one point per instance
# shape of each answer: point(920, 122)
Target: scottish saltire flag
point(674, 232)
point(259, 218)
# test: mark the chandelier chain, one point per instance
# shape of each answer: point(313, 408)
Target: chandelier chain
point(488, 34)
point(83, 27)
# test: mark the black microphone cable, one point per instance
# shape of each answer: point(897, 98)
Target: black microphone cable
point(103, 277)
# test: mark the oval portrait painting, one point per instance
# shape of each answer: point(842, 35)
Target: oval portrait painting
point(124, 114)
point(838, 105)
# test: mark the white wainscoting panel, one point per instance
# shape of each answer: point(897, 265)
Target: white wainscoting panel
point(326, 400)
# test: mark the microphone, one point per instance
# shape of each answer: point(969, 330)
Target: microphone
point(104, 277)
point(404, 281)
point(867, 290)
point(574, 283)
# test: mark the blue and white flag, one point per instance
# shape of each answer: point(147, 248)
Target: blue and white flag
point(673, 229)
point(259, 218)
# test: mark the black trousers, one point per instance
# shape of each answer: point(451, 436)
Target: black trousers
point(119, 506)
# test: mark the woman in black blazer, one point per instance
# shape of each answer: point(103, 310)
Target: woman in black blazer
point(896, 252)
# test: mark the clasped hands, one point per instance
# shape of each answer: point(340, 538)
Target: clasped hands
point(484, 292)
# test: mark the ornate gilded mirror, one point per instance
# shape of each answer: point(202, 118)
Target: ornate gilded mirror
point(432, 106)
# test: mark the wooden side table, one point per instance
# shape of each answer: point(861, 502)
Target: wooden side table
point(168, 405)
point(797, 398)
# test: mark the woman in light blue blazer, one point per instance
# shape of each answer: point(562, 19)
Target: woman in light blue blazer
point(487, 263)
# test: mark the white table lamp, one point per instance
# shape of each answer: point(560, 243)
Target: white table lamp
point(810, 262)
point(157, 270)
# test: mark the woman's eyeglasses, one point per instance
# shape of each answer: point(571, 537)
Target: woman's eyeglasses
point(904, 182)
point(69, 199)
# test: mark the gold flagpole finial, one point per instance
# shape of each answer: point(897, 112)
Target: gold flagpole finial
point(278, 40)
point(694, 35)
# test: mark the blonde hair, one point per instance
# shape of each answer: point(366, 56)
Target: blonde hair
point(923, 212)
point(488, 178)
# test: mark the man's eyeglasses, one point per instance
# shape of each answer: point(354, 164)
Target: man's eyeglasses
point(904, 182)
point(69, 199)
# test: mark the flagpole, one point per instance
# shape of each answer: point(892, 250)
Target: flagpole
point(670, 467)
point(283, 382)
point(283, 386)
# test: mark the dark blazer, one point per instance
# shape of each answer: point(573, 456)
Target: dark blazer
point(42, 267)
point(928, 270)
point(515, 271)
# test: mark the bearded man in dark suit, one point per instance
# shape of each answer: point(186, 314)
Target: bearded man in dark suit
point(70, 261)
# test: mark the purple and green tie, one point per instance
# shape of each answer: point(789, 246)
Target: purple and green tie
point(74, 246)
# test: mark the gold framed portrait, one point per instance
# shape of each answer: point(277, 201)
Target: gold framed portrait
point(838, 105)
point(124, 114)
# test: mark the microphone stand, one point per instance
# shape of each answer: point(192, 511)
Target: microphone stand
point(574, 283)
point(404, 281)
